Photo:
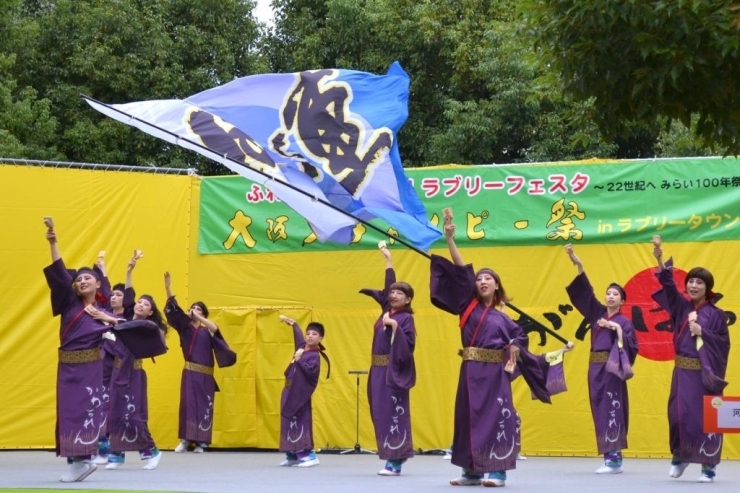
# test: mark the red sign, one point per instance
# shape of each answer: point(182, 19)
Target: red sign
point(655, 344)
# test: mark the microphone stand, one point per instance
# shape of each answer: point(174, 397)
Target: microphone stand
point(357, 448)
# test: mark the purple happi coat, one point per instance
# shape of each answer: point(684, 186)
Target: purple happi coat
point(80, 407)
point(487, 435)
point(388, 385)
point(128, 412)
point(687, 439)
point(107, 356)
point(108, 351)
point(296, 417)
point(607, 391)
point(197, 387)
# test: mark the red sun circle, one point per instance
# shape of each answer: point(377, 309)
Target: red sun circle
point(653, 344)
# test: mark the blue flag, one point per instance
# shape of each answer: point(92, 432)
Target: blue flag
point(313, 138)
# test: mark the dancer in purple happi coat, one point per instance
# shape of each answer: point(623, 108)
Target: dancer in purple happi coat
point(613, 352)
point(74, 296)
point(121, 300)
point(128, 422)
point(301, 379)
point(702, 345)
point(393, 373)
point(202, 346)
point(486, 438)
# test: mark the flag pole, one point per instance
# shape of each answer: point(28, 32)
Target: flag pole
point(269, 177)
point(303, 192)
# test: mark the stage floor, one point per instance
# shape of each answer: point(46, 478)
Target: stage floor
point(238, 472)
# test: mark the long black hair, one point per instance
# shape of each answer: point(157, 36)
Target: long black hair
point(156, 315)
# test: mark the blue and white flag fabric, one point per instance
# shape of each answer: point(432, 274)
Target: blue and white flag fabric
point(329, 133)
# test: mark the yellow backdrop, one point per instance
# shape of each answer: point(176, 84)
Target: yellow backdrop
point(118, 212)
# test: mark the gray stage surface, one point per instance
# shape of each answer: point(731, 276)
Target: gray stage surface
point(232, 472)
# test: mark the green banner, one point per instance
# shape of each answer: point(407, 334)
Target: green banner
point(682, 200)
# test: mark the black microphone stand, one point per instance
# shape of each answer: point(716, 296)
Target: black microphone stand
point(357, 449)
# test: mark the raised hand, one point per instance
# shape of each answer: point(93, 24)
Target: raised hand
point(100, 262)
point(385, 252)
point(168, 284)
point(449, 226)
point(658, 253)
point(658, 250)
point(51, 235)
point(572, 255)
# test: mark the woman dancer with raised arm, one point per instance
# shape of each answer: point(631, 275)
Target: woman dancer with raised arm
point(612, 337)
point(393, 373)
point(200, 340)
point(702, 345)
point(486, 438)
point(79, 372)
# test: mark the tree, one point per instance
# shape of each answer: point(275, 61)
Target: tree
point(639, 61)
point(27, 130)
point(478, 93)
point(475, 95)
point(678, 141)
point(158, 49)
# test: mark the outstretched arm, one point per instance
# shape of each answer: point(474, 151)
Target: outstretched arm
point(298, 339)
point(105, 287)
point(167, 284)
point(574, 258)
point(658, 252)
point(668, 297)
point(57, 276)
point(130, 270)
point(51, 236)
point(580, 291)
point(387, 254)
point(100, 263)
point(449, 229)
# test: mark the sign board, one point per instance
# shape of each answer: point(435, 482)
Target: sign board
point(721, 414)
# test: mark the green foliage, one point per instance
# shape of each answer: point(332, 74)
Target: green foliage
point(123, 51)
point(641, 60)
point(27, 129)
point(475, 94)
point(678, 141)
point(480, 92)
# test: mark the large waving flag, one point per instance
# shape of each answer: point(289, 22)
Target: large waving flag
point(323, 141)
